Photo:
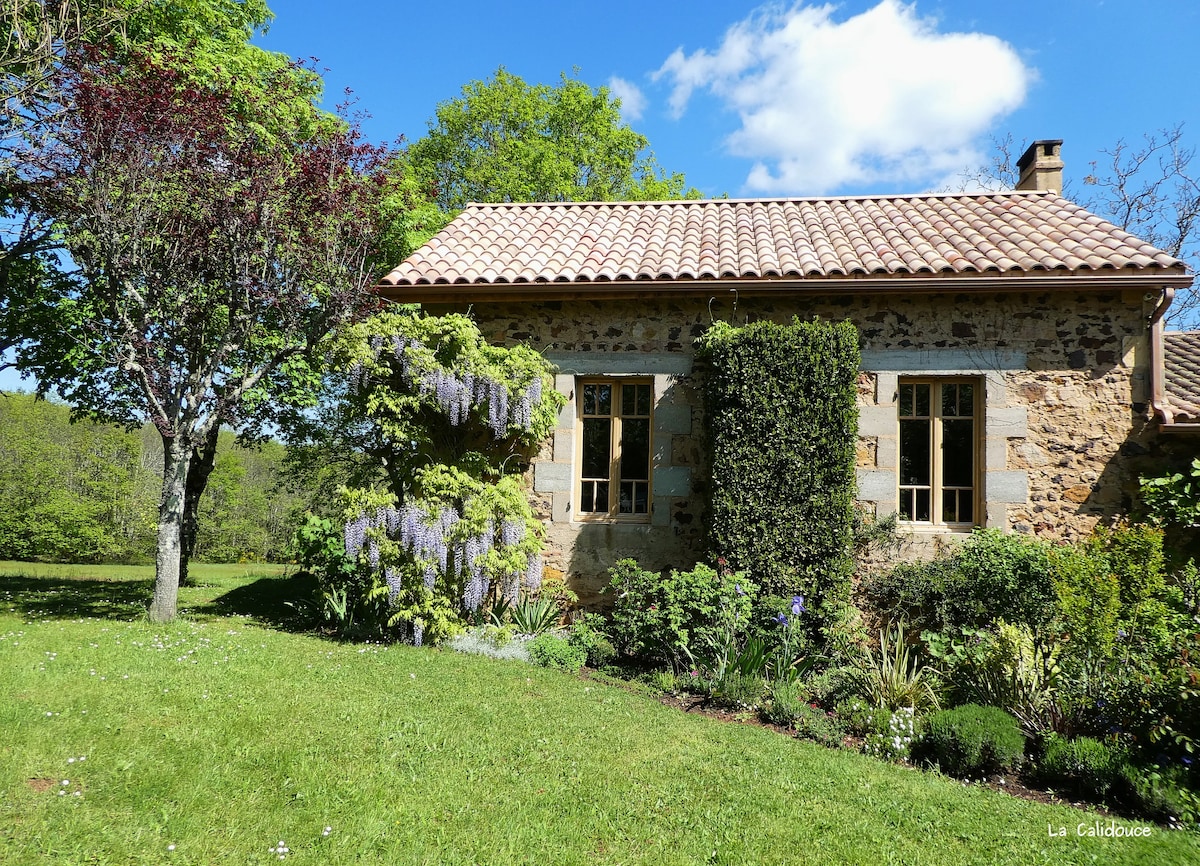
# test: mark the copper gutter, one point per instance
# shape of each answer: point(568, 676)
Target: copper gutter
point(1158, 400)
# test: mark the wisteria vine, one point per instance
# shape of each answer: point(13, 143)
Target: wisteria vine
point(431, 540)
point(457, 395)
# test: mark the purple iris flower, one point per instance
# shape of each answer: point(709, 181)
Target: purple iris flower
point(782, 619)
point(797, 605)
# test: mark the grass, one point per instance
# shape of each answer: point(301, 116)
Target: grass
point(222, 736)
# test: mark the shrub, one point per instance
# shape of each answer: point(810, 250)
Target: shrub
point(673, 618)
point(815, 724)
point(534, 615)
point(738, 690)
point(974, 741)
point(588, 633)
point(784, 513)
point(893, 734)
point(786, 701)
point(991, 576)
point(490, 641)
point(895, 676)
point(553, 650)
point(1083, 766)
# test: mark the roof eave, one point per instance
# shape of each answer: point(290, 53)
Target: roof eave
point(451, 293)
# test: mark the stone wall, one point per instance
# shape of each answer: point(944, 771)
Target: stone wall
point(1066, 381)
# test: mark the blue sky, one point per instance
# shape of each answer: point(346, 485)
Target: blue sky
point(865, 96)
point(751, 99)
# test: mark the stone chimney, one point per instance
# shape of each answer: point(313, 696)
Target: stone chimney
point(1041, 166)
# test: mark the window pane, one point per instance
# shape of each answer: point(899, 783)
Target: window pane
point(966, 401)
point(604, 399)
point(921, 393)
point(950, 400)
point(958, 452)
point(635, 449)
point(589, 399)
point(602, 496)
point(906, 504)
point(966, 506)
point(628, 399)
point(634, 497)
point(597, 433)
point(949, 512)
point(922, 507)
point(914, 452)
point(587, 497)
point(643, 399)
point(906, 400)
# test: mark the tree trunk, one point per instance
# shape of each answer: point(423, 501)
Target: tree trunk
point(176, 457)
point(202, 462)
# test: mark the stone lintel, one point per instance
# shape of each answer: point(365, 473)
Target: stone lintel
point(620, 363)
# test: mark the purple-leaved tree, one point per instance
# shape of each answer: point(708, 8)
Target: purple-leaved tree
point(217, 234)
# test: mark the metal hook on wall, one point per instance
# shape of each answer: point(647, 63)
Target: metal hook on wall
point(711, 320)
point(735, 302)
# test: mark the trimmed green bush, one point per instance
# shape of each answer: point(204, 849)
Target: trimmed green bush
point(783, 424)
point(1084, 766)
point(974, 741)
point(552, 650)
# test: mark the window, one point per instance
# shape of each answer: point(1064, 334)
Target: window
point(614, 466)
point(939, 451)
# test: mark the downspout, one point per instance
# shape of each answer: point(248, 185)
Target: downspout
point(1158, 402)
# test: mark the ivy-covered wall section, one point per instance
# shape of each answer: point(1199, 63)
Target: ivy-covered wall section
point(783, 420)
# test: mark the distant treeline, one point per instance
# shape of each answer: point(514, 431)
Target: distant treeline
point(88, 492)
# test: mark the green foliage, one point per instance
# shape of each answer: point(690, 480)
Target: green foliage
point(785, 701)
point(1089, 597)
point(589, 632)
point(894, 677)
point(989, 577)
point(554, 650)
point(506, 140)
point(534, 615)
point(452, 421)
point(676, 617)
point(894, 735)
point(783, 512)
point(974, 741)
point(1084, 766)
point(812, 723)
point(102, 504)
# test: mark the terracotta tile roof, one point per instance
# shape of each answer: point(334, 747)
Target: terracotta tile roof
point(1181, 374)
point(1013, 234)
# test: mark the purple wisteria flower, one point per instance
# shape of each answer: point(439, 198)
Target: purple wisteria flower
point(355, 535)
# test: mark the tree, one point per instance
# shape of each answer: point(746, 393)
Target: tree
point(1150, 188)
point(505, 140)
point(220, 233)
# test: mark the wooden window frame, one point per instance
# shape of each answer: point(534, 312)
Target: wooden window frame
point(613, 515)
point(937, 466)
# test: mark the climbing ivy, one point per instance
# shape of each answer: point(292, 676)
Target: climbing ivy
point(782, 423)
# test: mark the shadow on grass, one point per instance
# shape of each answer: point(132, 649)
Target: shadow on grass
point(265, 600)
point(72, 598)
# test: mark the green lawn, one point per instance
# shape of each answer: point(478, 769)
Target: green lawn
point(223, 734)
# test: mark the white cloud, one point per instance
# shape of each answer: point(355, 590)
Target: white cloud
point(879, 98)
point(633, 101)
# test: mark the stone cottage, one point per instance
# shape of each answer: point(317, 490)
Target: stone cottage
point(1011, 350)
